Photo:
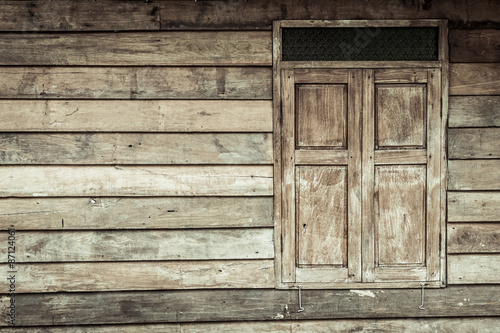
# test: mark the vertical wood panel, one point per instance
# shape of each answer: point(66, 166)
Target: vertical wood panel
point(322, 216)
point(400, 201)
point(321, 116)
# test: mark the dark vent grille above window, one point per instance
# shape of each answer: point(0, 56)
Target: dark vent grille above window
point(360, 44)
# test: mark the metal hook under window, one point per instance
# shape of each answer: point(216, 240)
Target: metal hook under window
point(300, 300)
point(421, 307)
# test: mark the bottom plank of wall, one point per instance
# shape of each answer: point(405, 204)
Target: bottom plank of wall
point(231, 305)
point(483, 325)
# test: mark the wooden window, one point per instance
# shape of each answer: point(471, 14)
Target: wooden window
point(359, 172)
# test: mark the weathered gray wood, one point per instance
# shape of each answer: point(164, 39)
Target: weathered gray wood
point(422, 325)
point(242, 305)
point(475, 79)
point(40, 181)
point(473, 238)
point(96, 148)
point(207, 48)
point(473, 143)
point(474, 45)
point(473, 206)
point(476, 175)
point(116, 276)
point(135, 82)
point(86, 15)
point(259, 14)
point(136, 116)
point(474, 111)
point(128, 245)
point(134, 213)
point(474, 269)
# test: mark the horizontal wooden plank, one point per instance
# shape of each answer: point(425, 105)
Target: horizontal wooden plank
point(473, 238)
point(97, 148)
point(136, 116)
point(321, 157)
point(473, 143)
point(474, 45)
point(476, 175)
point(135, 213)
point(114, 276)
point(403, 156)
point(259, 14)
point(136, 82)
point(423, 325)
point(474, 111)
point(179, 48)
point(86, 15)
point(405, 75)
point(474, 269)
point(137, 245)
point(473, 206)
point(39, 181)
point(475, 79)
point(243, 305)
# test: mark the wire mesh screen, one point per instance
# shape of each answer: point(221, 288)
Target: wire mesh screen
point(360, 44)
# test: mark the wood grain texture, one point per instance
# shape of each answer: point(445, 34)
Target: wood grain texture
point(136, 116)
point(399, 215)
point(99, 148)
point(322, 215)
point(474, 238)
point(86, 15)
point(135, 213)
point(473, 206)
point(474, 111)
point(422, 325)
point(474, 45)
point(128, 245)
point(474, 79)
point(474, 269)
point(321, 117)
point(135, 82)
point(260, 14)
point(36, 181)
point(473, 175)
point(115, 276)
point(207, 48)
point(243, 305)
point(473, 143)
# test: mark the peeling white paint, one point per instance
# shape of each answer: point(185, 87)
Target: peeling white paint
point(40, 194)
point(460, 304)
point(279, 316)
point(363, 293)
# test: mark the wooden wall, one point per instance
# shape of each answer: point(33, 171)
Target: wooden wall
point(136, 162)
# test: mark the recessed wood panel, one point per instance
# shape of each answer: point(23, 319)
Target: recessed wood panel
point(400, 215)
point(400, 116)
point(321, 115)
point(321, 215)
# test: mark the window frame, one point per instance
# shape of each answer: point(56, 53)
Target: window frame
point(279, 67)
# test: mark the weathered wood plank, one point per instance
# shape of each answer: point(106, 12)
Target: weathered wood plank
point(473, 238)
point(474, 269)
point(476, 175)
point(136, 83)
point(242, 305)
point(146, 245)
point(473, 143)
point(86, 15)
point(136, 116)
point(32, 181)
point(97, 148)
point(423, 325)
point(474, 45)
point(207, 48)
point(259, 14)
point(115, 276)
point(475, 79)
point(473, 206)
point(134, 213)
point(474, 111)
